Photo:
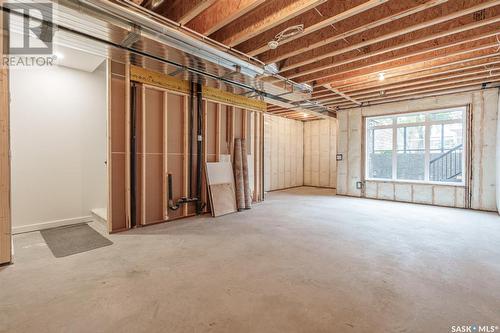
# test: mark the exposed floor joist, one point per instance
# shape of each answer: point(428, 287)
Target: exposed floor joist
point(417, 44)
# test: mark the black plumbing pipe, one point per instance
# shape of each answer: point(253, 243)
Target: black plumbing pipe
point(191, 137)
point(199, 146)
point(133, 150)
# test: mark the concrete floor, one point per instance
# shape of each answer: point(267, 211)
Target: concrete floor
point(303, 261)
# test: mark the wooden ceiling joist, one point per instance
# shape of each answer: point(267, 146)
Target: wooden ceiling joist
point(429, 74)
point(341, 94)
point(470, 58)
point(264, 17)
point(381, 65)
point(314, 20)
point(183, 11)
point(482, 77)
point(343, 28)
point(222, 13)
point(321, 57)
point(413, 47)
point(429, 79)
point(439, 89)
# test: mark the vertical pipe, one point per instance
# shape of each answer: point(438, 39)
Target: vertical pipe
point(191, 133)
point(199, 146)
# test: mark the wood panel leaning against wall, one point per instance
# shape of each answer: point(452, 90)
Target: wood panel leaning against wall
point(5, 214)
point(162, 108)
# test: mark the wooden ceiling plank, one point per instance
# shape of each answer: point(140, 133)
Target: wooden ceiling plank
point(221, 14)
point(326, 14)
point(467, 59)
point(349, 98)
point(343, 29)
point(442, 89)
point(409, 50)
point(421, 80)
point(384, 63)
point(195, 11)
point(437, 83)
point(408, 77)
point(261, 19)
point(390, 31)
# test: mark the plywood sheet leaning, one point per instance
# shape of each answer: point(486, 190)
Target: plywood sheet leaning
point(238, 175)
point(221, 188)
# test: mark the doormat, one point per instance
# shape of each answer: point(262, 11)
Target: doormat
point(68, 240)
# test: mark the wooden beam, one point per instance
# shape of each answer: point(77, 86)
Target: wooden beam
point(433, 42)
point(341, 28)
point(467, 59)
point(384, 63)
point(261, 19)
point(430, 73)
point(423, 80)
point(484, 77)
point(439, 90)
point(403, 27)
point(342, 94)
point(183, 11)
point(220, 14)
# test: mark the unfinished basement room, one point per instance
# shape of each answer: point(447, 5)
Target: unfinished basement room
point(262, 166)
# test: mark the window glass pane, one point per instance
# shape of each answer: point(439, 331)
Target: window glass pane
point(379, 122)
point(379, 157)
point(413, 118)
point(440, 161)
point(448, 115)
point(436, 143)
point(446, 153)
point(411, 153)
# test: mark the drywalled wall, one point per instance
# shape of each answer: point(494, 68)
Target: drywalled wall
point(320, 150)
point(498, 158)
point(283, 153)
point(482, 189)
point(58, 126)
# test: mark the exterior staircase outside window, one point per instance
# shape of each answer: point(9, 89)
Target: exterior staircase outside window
point(447, 167)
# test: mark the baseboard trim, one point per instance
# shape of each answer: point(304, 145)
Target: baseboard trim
point(50, 224)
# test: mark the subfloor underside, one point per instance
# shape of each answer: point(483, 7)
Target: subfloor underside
point(302, 261)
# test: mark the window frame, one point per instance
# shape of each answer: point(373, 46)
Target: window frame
point(427, 123)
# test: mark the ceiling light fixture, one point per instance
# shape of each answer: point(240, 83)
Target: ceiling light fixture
point(285, 34)
point(381, 76)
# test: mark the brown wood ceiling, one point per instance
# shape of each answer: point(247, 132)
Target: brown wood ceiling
point(423, 47)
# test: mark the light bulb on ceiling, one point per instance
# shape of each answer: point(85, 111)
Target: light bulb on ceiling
point(381, 76)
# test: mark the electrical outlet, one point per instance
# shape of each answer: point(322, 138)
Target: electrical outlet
point(340, 157)
point(359, 185)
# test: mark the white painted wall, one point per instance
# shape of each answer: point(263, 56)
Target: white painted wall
point(484, 108)
point(59, 145)
point(283, 153)
point(320, 150)
point(498, 157)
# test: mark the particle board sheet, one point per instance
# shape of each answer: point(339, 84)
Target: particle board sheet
point(220, 182)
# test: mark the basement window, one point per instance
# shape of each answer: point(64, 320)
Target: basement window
point(417, 147)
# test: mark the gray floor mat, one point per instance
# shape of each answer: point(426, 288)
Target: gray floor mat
point(68, 240)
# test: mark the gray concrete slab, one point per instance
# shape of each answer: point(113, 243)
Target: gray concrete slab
point(303, 261)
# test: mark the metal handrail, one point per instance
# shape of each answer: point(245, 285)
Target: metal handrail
point(447, 153)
